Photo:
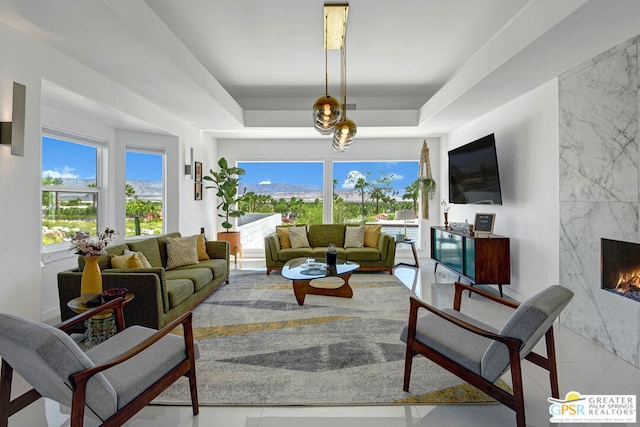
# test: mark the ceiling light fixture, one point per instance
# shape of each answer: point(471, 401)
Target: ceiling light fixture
point(326, 110)
point(345, 130)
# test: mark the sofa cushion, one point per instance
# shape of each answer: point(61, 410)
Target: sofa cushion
point(372, 235)
point(178, 290)
point(288, 254)
point(181, 251)
point(362, 254)
point(298, 237)
point(126, 261)
point(326, 234)
point(149, 247)
point(201, 247)
point(321, 253)
point(217, 266)
point(354, 236)
point(199, 276)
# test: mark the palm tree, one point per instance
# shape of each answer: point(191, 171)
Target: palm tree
point(412, 192)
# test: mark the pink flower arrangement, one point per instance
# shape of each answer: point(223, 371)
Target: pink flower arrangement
point(86, 245)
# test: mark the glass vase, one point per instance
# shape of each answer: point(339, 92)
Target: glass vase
point(91, 283)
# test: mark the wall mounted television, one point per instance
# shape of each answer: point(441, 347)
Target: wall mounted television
point(473, 173)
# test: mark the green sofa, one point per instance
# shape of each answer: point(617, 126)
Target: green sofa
point(161, 295)
point(380, 258)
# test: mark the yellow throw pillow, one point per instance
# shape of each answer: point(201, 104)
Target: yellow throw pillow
point(181, 251)
point(372, 235)
point(283, 235)
point(201, 247)
point(126, 261)
point(141, 257)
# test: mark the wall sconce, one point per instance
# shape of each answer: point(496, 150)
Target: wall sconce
point(12, 133)
point(188, 168)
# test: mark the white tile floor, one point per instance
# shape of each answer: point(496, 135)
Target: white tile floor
point(583, 367)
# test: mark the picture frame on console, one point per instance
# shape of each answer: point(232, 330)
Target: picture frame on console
point(484, 223)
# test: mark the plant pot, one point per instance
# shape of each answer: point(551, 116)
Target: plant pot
point(91, 282)
point(235, 246)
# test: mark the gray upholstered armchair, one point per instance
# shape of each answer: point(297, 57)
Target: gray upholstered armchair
point(111, 382)
point(480, 354)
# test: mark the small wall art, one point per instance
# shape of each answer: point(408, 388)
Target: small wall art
point(197, 191)
point(198, 174)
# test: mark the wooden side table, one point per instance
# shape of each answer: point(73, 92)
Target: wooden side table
point(100, 327)
point(413, 249)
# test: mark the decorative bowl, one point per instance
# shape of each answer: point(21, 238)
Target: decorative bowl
point(111, 294)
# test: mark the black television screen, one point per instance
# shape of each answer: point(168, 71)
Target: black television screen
point(473, 173)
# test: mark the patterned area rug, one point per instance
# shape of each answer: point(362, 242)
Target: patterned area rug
point(259, 347)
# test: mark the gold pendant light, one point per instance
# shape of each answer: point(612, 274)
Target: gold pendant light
point(326, 110)
point(345, 129)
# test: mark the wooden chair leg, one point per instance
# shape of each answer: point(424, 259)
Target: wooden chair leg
point(9, 407)
point(551, 356)
point(5, 393)
point(518, 395)
point(408, 361)
point(193, 388)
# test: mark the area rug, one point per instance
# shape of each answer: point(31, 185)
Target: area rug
point(259, 347)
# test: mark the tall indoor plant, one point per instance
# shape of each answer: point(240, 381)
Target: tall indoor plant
point(225, 183)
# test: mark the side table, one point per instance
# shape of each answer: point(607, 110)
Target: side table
point(413, 249)
point(100, 327)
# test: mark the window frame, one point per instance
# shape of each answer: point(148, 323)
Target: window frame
point(162, 152)
point(101, 147)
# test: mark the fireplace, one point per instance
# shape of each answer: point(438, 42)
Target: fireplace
point(620, 266)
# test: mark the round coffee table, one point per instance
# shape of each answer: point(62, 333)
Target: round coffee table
point(301, 271)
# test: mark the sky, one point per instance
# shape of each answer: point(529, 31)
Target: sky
point(310, 173)
point(61, 159)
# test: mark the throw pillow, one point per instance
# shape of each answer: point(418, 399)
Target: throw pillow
point(283, 235)
point(181, 251)
point(298, 237)
point(126, 261)
point(354, 236)
point(372, 235)
point(145, 262)
point(201, 247)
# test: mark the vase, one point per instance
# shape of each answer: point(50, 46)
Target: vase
point(331, 258)
point(91, 283)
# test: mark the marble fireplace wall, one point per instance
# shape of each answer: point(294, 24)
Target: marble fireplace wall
point(599, 191)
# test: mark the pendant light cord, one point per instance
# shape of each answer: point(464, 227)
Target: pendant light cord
point(343, 66)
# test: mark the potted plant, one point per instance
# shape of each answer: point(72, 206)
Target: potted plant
point(225, 183)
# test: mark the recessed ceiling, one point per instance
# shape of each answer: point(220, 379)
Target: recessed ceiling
point(253, 68)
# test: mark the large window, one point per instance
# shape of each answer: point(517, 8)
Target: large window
point(144, 191)
point(366, 191)
point(292, 189)
point(70, 186)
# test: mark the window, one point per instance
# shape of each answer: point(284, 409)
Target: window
point(365, 191)
point(144, 190)
point(70, 186)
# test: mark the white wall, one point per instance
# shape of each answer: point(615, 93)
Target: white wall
point(526, 132)
point(392, 149)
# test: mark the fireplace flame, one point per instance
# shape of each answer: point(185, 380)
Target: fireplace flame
point(628, 282)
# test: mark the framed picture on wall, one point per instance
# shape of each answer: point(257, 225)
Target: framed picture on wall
point(484, 223)
point(198, 174)
point(197, 191)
